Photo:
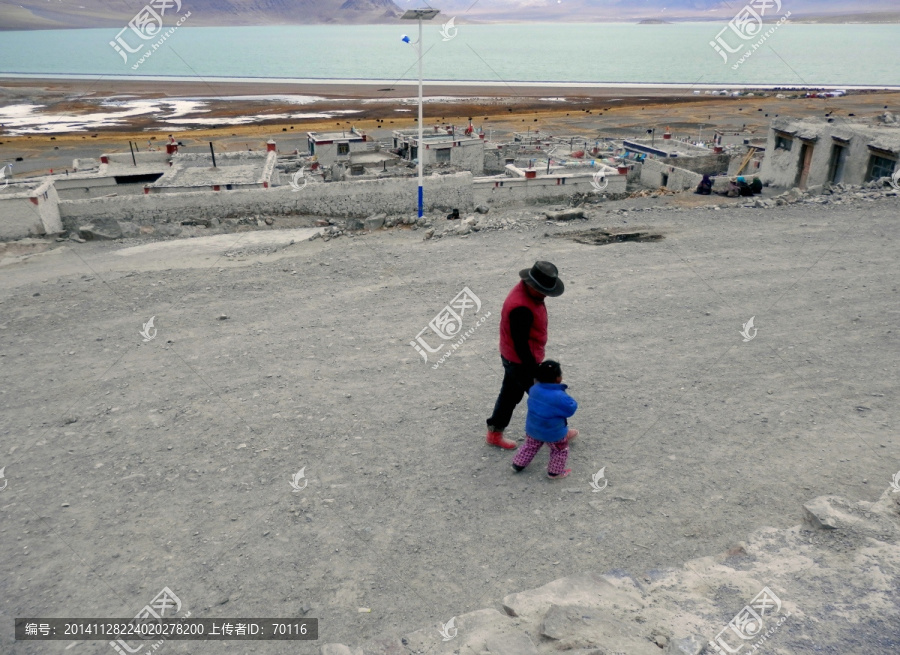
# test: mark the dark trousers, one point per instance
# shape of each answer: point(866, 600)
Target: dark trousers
point(517, 380)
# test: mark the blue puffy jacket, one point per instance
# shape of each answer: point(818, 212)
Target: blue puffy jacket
point(548, 408)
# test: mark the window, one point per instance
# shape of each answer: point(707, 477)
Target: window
point(442, 155)
point(880, 167)
point(343, 148)
point(783, 142)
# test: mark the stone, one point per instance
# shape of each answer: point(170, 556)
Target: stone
point(101, 229)
point(269, 221)
point(339, 649)
point(482, 209)
point(429, 233)
point(355, 224)
point(322, 223)
point(564, 215)
point(130, 230)
point(482, 631)
point(577, 626)
point(375, 222)
point(692, 645)
point(585, 589)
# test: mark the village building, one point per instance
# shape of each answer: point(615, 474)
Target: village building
point(807, 153)
point(338, 147)
point(463, 149)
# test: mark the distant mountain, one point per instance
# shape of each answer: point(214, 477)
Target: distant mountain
point(40, 14)
point(56, 14)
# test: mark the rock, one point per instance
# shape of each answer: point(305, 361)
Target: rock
point(77, 239)
point(129, 230)
point(481, 631)
point(375, 222)
point(269, 221)
point(322, 223)
point(692, 645)
point(101, 229)
point(576, 626)
point(317, 235)
point(260, 222)
point(339, 649)
point(564, 215)
point(222, 317)
point(482, 209)
point(586, 589)
point(429, 233)
point(354, 224)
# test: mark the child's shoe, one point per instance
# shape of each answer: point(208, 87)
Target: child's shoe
point(517, 468)
point(496, 439)
point(559, 475)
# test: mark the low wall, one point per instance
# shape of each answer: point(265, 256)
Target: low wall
point(356, 199)
point(655, 172)
point(499, 191)
point(31, 212)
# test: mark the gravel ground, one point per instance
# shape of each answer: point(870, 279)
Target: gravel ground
point(134, 465)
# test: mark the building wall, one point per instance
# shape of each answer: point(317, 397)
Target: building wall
point(357, 199)
point(782, 167)
point(511, 190)
point(679, 179)
point(326, 154)
point(32, 212)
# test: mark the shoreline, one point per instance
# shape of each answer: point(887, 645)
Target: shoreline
point(167, 86)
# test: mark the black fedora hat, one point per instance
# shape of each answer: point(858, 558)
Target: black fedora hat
point(543, 277)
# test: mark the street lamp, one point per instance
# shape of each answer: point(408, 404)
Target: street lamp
point(420, 15)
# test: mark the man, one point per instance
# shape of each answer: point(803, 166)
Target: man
point(523, 335)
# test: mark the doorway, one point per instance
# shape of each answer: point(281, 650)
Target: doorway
point(836, 167)
point(806, 153)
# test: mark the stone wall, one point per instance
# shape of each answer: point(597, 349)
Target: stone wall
point(356, 199)
point(500, 191)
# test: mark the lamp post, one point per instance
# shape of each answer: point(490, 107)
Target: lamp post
point(420, 15)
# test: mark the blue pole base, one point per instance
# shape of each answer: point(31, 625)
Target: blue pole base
point(421, 203)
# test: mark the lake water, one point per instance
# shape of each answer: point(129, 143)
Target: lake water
point(599, 53)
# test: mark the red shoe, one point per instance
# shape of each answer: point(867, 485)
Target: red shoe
point(559, 475)
point(496, 439)
point(571, 435)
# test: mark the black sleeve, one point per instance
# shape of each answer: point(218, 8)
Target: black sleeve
point(520, 320)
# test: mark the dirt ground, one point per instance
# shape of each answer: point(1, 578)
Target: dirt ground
point(134, 465)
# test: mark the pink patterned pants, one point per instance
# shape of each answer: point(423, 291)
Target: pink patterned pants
point(559, 454)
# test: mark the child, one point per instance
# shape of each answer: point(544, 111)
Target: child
point(548, 408)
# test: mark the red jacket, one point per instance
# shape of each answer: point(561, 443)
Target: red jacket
point(510, 332)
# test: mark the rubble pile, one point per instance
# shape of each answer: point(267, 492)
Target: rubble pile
point(807, 585)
